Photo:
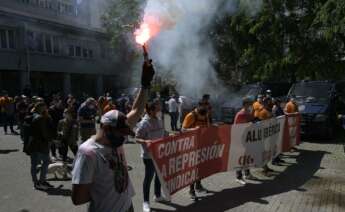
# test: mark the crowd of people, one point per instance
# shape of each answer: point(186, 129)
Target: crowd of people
point(49, 128)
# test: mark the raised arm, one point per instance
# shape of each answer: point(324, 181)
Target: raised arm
point(140, 101)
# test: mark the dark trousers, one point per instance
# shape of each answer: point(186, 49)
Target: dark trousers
point(64, 149)
point(8, 121)
point(149, 173)
point(36, 159)
point(173, 120)
point(195, 185)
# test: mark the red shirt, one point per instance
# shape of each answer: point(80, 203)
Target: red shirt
point(243, 117)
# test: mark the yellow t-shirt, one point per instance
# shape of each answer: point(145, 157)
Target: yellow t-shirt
point(192, 120)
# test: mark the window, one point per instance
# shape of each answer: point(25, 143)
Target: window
point(85, 53)
point(48, 42)
point(3, 39)
point(71, 51)
point(56, 45)
point(7, 39)
point(78, 51)
point(39, 42)
point(90, 53)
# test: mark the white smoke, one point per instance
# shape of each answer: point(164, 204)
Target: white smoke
point(183, 47)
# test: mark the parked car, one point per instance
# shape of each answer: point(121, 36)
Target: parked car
point(320, 103)
point(231, 106)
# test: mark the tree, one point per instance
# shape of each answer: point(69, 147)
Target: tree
point(120, 20)
point(288, 39)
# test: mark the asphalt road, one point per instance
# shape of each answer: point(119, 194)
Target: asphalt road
point(312, 179)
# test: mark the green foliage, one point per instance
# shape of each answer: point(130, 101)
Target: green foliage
point(285, 40)
point(121, 19)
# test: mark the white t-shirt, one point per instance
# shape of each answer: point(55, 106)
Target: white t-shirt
point(106, 169)
point(172, 105)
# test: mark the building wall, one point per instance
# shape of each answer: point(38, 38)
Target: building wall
point(54, 49)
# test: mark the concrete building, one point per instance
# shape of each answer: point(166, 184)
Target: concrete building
point(56, 45)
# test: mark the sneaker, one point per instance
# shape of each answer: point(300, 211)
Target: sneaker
point(40, 186)
point(250, 177)
point(201, 189)
point(241, 181)
point(160, 199)
point(45, 183)
point(193, 195)
point(146, 207)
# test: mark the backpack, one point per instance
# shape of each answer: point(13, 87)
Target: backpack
point(27, 134)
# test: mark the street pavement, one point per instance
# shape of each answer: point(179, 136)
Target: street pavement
point(312, 179)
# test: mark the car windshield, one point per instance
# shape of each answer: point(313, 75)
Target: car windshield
point(248, 91)
point(311, 91)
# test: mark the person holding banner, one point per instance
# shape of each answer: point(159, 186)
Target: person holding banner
point(245, 115)
point(264, 114)
point(195, 119)
point(100, 172)
point(150, 128)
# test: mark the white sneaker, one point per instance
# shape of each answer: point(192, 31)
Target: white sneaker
point(160, 199)
point(240, 181)
point(146, 207)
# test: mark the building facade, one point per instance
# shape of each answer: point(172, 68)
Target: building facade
point(56, 46)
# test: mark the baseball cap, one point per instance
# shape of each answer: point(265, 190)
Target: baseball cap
point(117, 119)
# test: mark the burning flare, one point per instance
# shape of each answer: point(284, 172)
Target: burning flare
point(143, 34)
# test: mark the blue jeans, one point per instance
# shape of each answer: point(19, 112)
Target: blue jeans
point(173, 120)
point(37, 158)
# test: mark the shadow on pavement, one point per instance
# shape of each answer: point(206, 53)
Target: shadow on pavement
point(7, 151)
point(59, 191)
point(296, 175)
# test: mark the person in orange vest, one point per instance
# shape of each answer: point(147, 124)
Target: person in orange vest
point(193, 120)
point(258, 106)
point(291, 106)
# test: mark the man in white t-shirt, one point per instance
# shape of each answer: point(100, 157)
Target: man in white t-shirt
point(173, 112)
point(100, 173)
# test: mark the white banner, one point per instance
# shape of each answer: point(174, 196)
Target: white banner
point(255, 144)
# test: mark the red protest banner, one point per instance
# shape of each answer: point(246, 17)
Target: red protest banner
point(182, 159)
point(292, 131)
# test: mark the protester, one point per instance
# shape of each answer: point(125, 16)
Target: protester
point(109, 106)
point(245, 115)
point(56, 113)
point(100, 174)
point(173, 112)
point(264, 114)
point(258, 106)
point(102, 103)
point(150, 128)
point(21, 110)
point(276, 112)
point(8, 108)
point(195, 119)
point(205, 101)
point(38, 148)
point(86, 117)
point(68, 134)
point(291, 106)
point(185, 107)
point(277, 109)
